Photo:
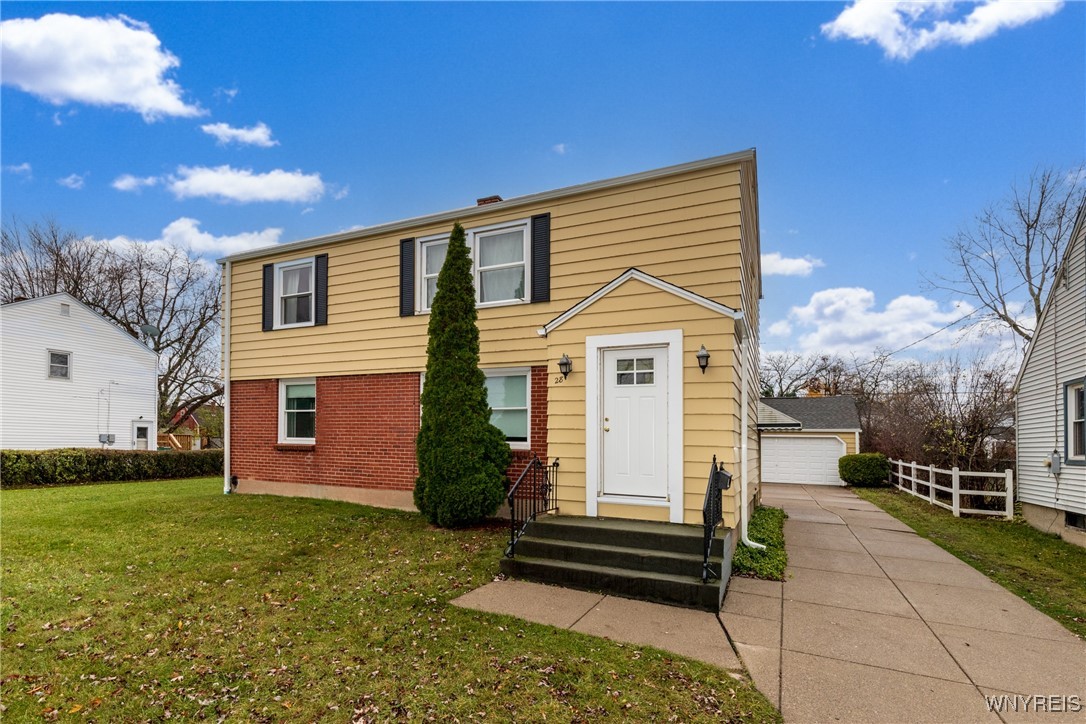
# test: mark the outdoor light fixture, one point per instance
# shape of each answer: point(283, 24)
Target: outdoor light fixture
point(703, 358)
point(565, 365)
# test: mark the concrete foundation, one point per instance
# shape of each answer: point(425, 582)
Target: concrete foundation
point(1051, 520)
point(379, 498)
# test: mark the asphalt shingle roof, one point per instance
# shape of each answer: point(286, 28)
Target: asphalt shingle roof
point(817, 413)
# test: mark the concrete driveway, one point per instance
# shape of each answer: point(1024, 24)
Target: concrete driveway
point(875, 624)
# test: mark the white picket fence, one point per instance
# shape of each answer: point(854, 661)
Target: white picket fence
point(906, 476)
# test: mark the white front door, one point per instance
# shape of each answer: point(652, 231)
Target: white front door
point(141, 433)
point(634, 423)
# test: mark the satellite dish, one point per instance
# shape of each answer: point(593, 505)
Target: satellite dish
point(150, 330)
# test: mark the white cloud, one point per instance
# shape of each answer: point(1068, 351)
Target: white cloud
point(228, 93)
point(846, 320)
point(19, 169)
point(185, 233)
point(114, 61)
point(73, 181)
point(243, 186)
point(560, 149)
point(781, 328)
point(775, 264)
point(903, 28)
point(342, 193)
point(307, 210)
point(258, 135)
point(128, 182)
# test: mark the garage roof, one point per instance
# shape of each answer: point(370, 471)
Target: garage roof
point(813, 413)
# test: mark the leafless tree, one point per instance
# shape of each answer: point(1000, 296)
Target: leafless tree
point(132, 284)
point(785, 374)
point(1014, 249)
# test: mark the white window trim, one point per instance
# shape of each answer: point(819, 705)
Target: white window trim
point(473, 253)
point(283, 439)
point(49, 365)
point(525, 372)
point(1069, 421)
point(277, 322)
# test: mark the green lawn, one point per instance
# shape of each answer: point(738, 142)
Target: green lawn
point(767, 528)
point(169, 599)
point(1043, 569)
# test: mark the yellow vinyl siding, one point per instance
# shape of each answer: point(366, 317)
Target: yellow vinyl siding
point(684, 229)
point(709, 397)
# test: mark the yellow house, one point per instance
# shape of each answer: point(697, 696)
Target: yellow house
point(647, 285)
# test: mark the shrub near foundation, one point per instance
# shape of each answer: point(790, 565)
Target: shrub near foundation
point(864, 469)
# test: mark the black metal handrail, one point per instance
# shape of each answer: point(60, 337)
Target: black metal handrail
point(712, 512)
point(535, 492)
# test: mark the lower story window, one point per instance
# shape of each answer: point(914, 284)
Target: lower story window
point(508, 394)
point(1076, 421)
point(298, 410)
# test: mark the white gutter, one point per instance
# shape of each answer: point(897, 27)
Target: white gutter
point(226, 380)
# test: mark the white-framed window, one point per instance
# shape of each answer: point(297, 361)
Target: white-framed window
point(509, 394)
point(59, 365)
point(1076, 422)
point(499, 255)
point(298, 411)
point(295, 283)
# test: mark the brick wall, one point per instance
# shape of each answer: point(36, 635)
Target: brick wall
point(366, 430)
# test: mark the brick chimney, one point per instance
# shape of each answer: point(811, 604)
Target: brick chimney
point(488, 200)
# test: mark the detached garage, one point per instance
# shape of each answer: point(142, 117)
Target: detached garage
point(802, 438)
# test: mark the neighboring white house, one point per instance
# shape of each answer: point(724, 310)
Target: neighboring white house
point(69, 376)
point(1051, 405)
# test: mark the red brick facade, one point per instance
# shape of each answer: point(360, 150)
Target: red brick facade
point(366, 429)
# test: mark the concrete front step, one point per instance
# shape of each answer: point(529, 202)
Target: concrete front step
point(611, 556)
point(644, 585)
point(636, 559)
point(646, 535)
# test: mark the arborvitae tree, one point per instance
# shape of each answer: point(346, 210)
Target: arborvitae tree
point(462, 457)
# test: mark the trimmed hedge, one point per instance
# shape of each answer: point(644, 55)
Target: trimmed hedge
point(74, 466)
point(866, 469)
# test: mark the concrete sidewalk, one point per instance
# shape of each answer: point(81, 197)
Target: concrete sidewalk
point(684, 631)
point(875, 624)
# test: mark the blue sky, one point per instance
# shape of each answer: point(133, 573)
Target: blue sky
point(880, 129)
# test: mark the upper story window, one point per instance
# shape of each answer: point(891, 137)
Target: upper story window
point(60, 365)
point(499, 253)
point(1076, 422)
point(294, 285)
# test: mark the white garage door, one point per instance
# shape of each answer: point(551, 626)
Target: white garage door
point(803, 460)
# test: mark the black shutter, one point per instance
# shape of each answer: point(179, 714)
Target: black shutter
point(541, 258)
point(269, 298)
point(407, 277)
point(321, 278)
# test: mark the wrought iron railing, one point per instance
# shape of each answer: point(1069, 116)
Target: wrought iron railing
point(535, 492)
point(712, 512)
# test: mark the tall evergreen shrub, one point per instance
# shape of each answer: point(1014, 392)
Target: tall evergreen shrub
point(462, 457)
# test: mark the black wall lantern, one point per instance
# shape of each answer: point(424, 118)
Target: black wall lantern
point(703, 358)
point(565, 365)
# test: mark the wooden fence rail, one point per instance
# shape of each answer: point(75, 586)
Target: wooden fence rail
point(934, 487)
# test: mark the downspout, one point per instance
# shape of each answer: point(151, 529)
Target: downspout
point(744, 454)
point(226, 380)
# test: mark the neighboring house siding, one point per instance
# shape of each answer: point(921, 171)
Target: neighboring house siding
point(1057, 356)
point(113, 378)
point(684, 229)
point(366, 431)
